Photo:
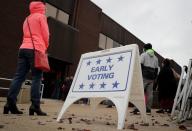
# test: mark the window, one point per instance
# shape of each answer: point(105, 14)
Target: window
point(57, 14)
point(115, 44)
point(51, 11)
point(106, 42)
point(102, 41)
point(63, 17)
point(109, 43)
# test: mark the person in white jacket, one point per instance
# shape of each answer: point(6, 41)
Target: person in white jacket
point(149, 66)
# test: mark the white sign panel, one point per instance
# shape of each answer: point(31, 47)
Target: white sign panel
point(103, 73)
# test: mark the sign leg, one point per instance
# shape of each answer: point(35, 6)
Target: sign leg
point(66, 104)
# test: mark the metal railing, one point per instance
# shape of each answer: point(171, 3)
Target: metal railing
point(7, 79)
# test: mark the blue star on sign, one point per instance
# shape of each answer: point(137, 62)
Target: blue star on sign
point(98, 61)
point(115, 84)
point(109, 60)
point(103, 85)
point(91, 86)
point(88, 63)
point(81, 86)
point(120, 58)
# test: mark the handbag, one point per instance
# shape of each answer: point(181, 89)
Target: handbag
point(40, 59)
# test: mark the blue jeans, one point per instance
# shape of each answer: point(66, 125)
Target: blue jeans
point(25, 63)
point(148, 88)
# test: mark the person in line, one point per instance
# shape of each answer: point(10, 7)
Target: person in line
point(66, 87)
point(184, 76)
point(167, 87)
point(149, 66)
point(57, 85)
point(40, 35)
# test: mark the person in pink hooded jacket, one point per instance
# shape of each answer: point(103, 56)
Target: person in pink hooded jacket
point(40, 35)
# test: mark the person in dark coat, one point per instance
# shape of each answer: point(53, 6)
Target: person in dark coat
point(66, 87)
point(167, 87)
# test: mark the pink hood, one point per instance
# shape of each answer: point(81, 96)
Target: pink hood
point(39, 28)
point(37, 7)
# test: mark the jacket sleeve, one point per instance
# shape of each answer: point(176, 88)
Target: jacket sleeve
point(142, 58)
point(45, 30)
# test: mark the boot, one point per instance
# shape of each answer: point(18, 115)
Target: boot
point(12, 108)
point(36, 109)
point(160, 111)
point(135, 111)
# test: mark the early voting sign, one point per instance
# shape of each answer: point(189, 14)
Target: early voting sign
point(114, 74)
point(103, 73)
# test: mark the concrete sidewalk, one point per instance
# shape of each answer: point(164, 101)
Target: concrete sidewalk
point(80, 118)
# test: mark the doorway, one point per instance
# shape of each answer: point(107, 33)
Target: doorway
point(54, 79)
